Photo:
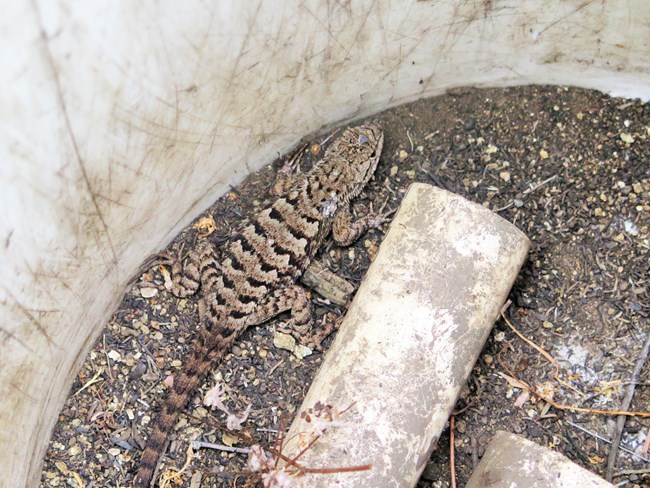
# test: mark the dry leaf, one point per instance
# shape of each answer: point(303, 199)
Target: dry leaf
point(62, 467)
point(167, 277)
point(213, 398)
point(514, 382)
point(205, 226)
point(522, 399)
point(229, 440)
point(233, 422)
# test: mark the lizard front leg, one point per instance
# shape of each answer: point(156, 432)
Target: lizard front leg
point(289, 174)
point(345, 232)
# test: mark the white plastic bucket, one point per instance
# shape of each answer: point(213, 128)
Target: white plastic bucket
point(120, 121)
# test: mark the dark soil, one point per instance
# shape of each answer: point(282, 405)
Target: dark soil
point(569, 167)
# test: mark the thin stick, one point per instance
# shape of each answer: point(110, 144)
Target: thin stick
point(278, 445)
point(549, 358)
point(303, 469)
point(452, 461)
point(620, 422)
point(604, 439)
point(625, 472)
point(108, 362)
point(523, 385)
point(196, 445)
point(96, 377)
point(527, 191)
point(166, 478)
point(345, 469)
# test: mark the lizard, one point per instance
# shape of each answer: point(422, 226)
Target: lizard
point(254, 277)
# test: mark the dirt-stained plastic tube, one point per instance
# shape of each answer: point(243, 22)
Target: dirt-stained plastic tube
point(408, 342)
point(510, 460)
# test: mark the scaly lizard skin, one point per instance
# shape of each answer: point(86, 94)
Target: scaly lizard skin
point(255, 279)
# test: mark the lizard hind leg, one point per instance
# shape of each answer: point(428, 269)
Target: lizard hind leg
point(300, 324)
point(292, 298)
point(186, 273)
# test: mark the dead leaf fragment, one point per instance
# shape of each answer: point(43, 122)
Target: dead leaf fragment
point(596, 460)
point(234, 422)
point(214, 398)
point(205, 226)
point(514, 382)
point(229, 440)
point(522, 399)
point(62, 467)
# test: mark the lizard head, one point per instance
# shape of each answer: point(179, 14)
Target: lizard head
point(354, 156)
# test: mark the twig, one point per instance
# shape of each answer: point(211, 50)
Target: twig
point(474, 445)
point(327, 284)
point(538, 186)
point(280, 438)
point(626, 472)
point(526, 192)
point(174, 474)
point(274, 367)
point(108, 361)
point(303, 469)
point(620, 422)
point(293, 467)
point(604, 439)
point(452, 461)
point(522, 384)
point(517, 383)
point(196, 445)
point(91, 381)
point(550, 359)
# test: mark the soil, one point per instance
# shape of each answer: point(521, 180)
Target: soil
point(569, 167)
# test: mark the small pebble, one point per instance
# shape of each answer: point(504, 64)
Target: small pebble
point(148, 292)
point(627, 138)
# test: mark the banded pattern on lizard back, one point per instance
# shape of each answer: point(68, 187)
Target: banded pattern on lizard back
point(255, 279)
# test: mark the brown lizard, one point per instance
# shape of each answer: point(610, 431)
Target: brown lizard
point(255, 278)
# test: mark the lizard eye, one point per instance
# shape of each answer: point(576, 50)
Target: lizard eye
point(373, 154)
point(363, 139)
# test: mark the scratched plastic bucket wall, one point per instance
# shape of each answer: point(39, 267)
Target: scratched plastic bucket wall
point(121, 120)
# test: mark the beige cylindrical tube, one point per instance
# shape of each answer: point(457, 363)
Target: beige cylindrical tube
point(510, 460)
point(408, 341)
